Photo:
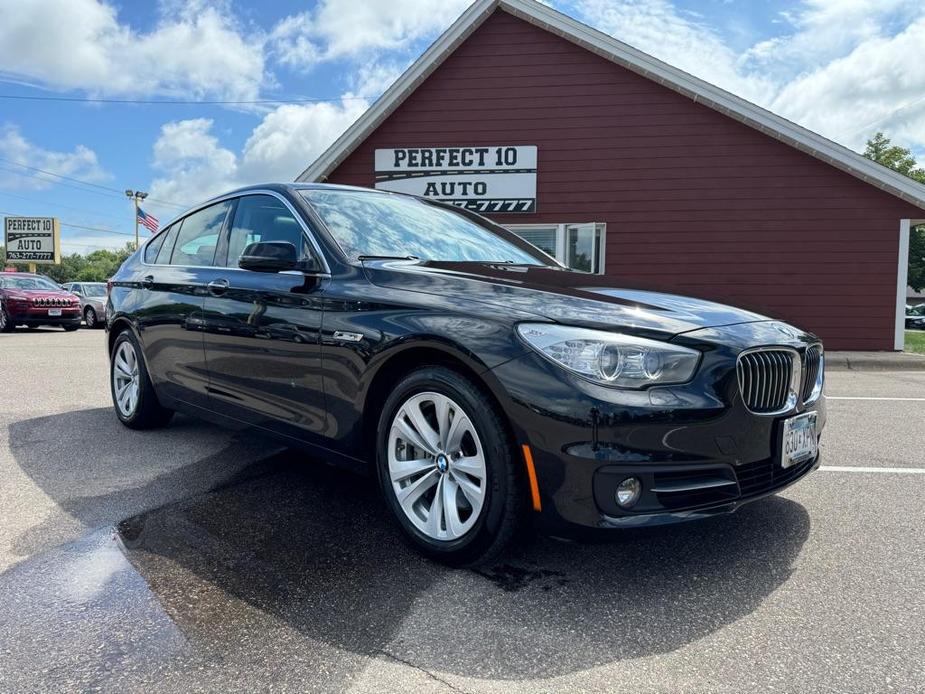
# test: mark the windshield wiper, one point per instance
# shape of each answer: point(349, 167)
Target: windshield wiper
point(387, 257)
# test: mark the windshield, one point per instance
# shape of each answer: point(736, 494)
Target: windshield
point(28, 283)
point(94, 289)
point(378, 224)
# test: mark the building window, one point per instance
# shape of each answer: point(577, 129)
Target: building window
point(578, 246)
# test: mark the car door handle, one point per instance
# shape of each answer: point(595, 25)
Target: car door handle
point(218, 287)
point(147, 281)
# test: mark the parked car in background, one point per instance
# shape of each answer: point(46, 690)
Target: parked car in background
point(33, 300)
point(92, 301)
point(482, 382)
point(915, 317)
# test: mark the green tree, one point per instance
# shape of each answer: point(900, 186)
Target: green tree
point(881, 150)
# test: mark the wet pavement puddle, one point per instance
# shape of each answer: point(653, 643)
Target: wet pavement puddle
point(294, 571)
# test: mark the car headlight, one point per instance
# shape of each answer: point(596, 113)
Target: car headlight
point(611, 359)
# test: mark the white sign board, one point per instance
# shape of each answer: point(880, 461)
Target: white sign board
point(32, 240)
point(495, 179)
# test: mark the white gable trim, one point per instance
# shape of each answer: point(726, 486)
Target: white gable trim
point(618, 52)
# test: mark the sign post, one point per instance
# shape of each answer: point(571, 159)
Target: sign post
point(33, 240)
point(488, 179)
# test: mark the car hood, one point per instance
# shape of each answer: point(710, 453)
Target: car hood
point(562, 296)
point(39, 294)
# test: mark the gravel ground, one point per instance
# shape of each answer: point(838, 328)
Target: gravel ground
point(199, 559)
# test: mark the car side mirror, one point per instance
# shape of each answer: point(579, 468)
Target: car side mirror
point(269, 256)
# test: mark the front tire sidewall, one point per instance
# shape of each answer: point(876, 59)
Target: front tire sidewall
point(90, 318)
point(472, 547)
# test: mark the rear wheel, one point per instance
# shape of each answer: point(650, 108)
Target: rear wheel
point(446, 468)
point(90, 317)
point(133, 393)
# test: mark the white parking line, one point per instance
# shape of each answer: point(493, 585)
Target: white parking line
point(834, 397)
point(891, 470)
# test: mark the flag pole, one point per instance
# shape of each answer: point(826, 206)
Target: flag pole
point(135, 198)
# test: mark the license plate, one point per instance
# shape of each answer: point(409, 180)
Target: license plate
point(54, 312)
point(800, 441)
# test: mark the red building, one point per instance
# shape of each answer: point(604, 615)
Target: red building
point(642, 172)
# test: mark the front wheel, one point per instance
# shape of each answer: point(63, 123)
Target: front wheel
point(133, 393)
point(446, 468)
point(90, 317)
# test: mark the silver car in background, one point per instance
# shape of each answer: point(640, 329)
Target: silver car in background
point(92, 301)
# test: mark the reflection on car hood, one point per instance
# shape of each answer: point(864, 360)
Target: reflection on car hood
point(559, 295)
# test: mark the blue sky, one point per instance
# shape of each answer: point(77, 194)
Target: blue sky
point(844, 68)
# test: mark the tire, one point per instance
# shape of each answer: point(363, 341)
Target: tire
point(476, 520)
point(6, 323)
point(90, 318)
point(139, 407)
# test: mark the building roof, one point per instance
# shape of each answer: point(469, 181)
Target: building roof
point(628, 57)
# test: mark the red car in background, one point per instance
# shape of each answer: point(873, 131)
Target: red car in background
point(33, 300)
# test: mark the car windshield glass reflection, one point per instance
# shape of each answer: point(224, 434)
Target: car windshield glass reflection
point(376, 224)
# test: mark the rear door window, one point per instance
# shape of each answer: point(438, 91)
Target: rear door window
point(198, 236)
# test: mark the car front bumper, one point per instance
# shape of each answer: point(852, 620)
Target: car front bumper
point(39, 316)
point(696, 448)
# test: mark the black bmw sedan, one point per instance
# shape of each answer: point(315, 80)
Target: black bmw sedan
point(481, 382)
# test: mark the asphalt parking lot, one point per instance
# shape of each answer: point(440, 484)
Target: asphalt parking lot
point(199, 559)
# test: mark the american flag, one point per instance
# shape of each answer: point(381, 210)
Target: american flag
point(147, 220)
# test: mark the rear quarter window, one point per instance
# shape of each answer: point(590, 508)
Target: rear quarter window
point(154, 246)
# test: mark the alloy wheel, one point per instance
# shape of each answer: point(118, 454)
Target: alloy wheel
point(125, 377)
point(2, 318)
point(90, 318)
point(437, 466)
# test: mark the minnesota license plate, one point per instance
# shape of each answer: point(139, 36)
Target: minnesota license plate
point(54, 312)
point(800, 441)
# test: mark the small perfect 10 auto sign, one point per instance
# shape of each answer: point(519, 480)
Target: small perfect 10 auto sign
point(500, 179)
point(32, 240)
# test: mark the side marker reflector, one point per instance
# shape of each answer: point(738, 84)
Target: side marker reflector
point(531, 475)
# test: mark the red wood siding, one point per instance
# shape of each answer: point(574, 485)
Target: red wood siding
point(694, 201)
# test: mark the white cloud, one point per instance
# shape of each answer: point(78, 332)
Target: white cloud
point(294, 43)
point(824, 30)
point(878, 85)
point(80, 163)
point(194, 50)
point(336, 29)
point(291, 137)
point(195, 166)
point(657, 27)
point(844, 68)
point(373, 78)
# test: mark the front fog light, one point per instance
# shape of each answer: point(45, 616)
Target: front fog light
point(628, 492)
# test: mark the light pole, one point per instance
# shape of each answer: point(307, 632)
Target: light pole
point(137, 196)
